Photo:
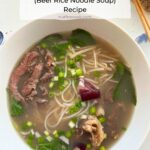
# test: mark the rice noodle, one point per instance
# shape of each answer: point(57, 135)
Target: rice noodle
point(59, 62)
point(95, 58)
point(82, 51)
point(47, 116)
point(63, 104)
point(107, 79)
point(96, 69)
point(62, 113)
point(112, 66)
point(105, 66)
point(65, 90)
point(71, 49)
point(103, 76)
point(108, 57)
point(92, 81)
point(65, 67)
point(74, 88)
point(85, 47)
point(98, 51)
point(113, 81)
point(88, 62)
point(108, 61)
point(79, 113)
point(84, 69)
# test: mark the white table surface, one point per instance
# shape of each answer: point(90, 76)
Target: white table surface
point(9, 22)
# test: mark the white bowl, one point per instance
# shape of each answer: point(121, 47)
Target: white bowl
point(34, 31)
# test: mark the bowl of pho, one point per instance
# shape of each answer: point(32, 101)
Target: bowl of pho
point(73, 85)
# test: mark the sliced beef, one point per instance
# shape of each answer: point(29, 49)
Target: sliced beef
point(19, 72)
point(42, 51)
point(43, 90)
point(46, 76)
point(29, 87)
point(94, 127)
point(48, 59)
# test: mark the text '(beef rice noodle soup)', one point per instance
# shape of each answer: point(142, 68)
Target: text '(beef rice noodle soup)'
point(71, 91)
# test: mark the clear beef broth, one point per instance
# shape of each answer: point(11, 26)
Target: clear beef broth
point(117, 114)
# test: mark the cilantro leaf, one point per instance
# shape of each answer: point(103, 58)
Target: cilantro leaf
point(16, 108)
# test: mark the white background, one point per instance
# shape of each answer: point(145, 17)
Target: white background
point(9, 22)
point(121, 9)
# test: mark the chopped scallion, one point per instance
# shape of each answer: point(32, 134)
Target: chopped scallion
point(71, 63)
point(75, 108)
point(55, 133)
point(71, 124)
point(102, 148)
point(46, 133)
point(51, 94)
point(92, 110)
point(102, 119)
point(88, 146)
point(73, 72)
point(79, 72)
point(68, 134)
point(78, 58)
point(26, 126)
point(51, 84)
point(55, 78)
point(61, 75)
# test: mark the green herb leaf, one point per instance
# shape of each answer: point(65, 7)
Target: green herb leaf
point(68, 134)
point(79, 72)
point(54, 144)
point(75, 108)
point(31, 140)
point(58, 69)
point(92, 110)
point(71, 63)
point(50, 40)
point(102, 119)
point(60, 50)
point(26, 126)
point(120, 70)
point(78, 58)
point(125, 89)
point(81, 37)
point(16, 108)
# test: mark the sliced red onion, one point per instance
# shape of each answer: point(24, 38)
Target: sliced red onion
point(87, 90)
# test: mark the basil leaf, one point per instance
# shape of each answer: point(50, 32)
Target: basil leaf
point(120, 70)
point(81, 37)
point(125, 89)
